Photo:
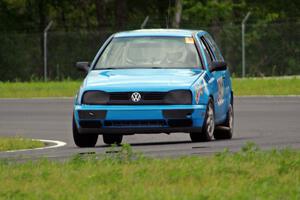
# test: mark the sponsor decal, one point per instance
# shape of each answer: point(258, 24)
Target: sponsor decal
point(198, 91)
point(189, 40)
point(220, 91)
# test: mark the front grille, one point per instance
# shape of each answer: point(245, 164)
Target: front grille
point(147, 98)
point(177, 114)
point(153, 96)
point(119, 96)
point(134, 123)
point(90, 124)
point(180, 123)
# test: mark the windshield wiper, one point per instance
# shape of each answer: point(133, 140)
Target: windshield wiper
point(107, 68)
point(116, 67)
point(156, 67)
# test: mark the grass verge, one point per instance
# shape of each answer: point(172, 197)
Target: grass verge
point(266, 86)
point(38, 89)
point(241, 87)
point(248, 174)
point(16, 143)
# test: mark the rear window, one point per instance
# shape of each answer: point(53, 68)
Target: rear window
point(150, 52)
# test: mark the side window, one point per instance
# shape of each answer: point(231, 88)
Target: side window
point(214, 47)
point(208, 47)
point(206, 52)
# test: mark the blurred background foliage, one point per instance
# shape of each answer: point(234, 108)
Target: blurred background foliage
point(81, 26)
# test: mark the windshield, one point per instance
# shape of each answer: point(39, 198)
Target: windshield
point(149, 52)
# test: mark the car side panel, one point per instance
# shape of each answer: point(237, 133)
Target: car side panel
point(214, 87)
point(223, 81)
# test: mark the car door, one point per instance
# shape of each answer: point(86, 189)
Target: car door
point(220, 77)
point(226, 74)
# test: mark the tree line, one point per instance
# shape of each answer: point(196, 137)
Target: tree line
point(273, 24)
point(33, 15)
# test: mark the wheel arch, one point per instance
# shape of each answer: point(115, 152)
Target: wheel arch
point(210, 96)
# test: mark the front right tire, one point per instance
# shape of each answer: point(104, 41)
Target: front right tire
point(225, 131)
point(83, 140)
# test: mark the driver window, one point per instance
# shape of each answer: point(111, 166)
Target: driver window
point(206, 53)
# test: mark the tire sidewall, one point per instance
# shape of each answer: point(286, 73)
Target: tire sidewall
point(205, 131)
point(230, 115)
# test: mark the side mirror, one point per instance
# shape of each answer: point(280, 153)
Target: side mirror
point(217, 66)
point(83, 66)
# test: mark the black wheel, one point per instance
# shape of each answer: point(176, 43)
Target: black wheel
point(83, 140)
point(208, 125)
point(225, 131)
point(112, 138)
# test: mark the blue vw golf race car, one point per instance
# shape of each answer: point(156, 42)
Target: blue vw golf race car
point(154, 81)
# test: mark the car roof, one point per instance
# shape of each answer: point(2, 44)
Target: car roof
point(158, 32)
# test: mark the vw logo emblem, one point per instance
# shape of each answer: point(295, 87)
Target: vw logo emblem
point(136, 97)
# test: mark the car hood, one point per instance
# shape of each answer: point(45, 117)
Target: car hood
point(140, 79)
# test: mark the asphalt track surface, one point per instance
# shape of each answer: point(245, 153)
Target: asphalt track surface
point(270, 122)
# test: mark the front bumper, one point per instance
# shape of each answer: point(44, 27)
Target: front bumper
point(100, 119)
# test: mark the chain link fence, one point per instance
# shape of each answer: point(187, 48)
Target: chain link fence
point(271, 50)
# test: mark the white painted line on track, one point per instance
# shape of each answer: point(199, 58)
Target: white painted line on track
point(55, 142)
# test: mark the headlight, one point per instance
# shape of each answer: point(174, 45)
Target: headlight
point(95, 97)
point(179, 97)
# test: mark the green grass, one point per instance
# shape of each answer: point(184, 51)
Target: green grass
point(249, 174)
point(241, 87)
point(15, 143)
point(38, 89)
point(266, 86)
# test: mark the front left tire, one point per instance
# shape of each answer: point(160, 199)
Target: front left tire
point(208, 127)
point(83, 140)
